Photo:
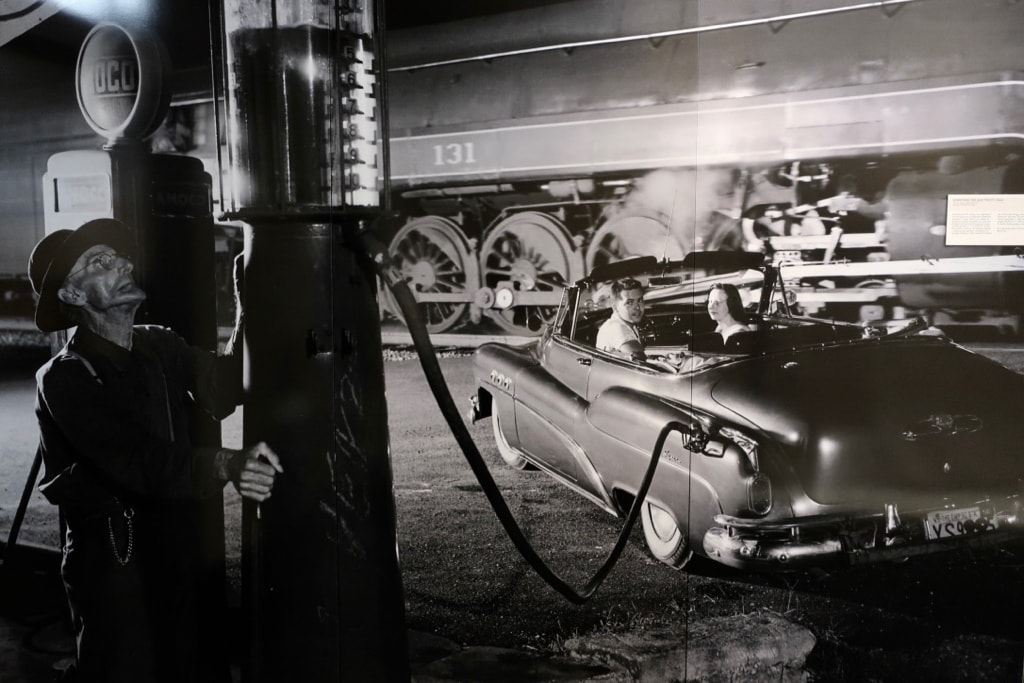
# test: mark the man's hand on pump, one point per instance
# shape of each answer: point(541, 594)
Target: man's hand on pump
point(253, 470)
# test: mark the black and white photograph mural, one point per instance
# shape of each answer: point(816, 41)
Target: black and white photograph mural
point(536, 340)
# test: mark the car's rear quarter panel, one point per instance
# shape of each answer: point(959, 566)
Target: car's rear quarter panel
point(620, 435)
point(840, 415)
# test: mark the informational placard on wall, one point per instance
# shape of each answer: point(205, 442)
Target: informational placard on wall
point(985, 220)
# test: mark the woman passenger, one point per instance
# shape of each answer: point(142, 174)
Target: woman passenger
point(725, 306)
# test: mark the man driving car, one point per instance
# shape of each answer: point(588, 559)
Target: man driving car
point(620, 332)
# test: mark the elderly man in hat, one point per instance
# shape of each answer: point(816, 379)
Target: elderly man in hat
point(113, 408)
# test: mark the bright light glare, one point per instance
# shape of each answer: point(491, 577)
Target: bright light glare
point(310, 69)
point(108, 10)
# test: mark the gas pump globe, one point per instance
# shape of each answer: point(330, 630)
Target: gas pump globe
point(122, 83)
point(302, 110)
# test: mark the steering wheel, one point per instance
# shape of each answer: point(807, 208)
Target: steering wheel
point(646, 331)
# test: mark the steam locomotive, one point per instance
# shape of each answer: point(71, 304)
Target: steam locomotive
point(527, 147)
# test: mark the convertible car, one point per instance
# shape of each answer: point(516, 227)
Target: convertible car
point(800, 443)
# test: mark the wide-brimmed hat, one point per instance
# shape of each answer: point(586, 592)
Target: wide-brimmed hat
point(52, 258)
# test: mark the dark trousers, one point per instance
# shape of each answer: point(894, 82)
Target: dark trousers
point(110, 605)
point(133, 622)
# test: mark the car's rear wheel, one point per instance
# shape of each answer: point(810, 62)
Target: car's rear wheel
point(510, 455)
point(665, 539)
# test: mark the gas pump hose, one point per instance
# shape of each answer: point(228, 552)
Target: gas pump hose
point(439, 387)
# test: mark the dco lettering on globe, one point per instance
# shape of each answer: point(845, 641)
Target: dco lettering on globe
point(115, 76)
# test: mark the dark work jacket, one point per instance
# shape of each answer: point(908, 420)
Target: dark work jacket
point(114, 423)
point(114, 433)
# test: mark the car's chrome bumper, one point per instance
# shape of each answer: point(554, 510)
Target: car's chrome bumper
point(772, 554)
point(744, 547)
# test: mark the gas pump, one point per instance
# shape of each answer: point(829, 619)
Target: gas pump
point(321, 580)
point(123, 92)
point(166, 201)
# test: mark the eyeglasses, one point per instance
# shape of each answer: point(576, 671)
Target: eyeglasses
point(107, 260)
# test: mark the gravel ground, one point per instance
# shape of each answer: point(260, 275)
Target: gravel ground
point(949, 619)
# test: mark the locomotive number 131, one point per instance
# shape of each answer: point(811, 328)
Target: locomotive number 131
point(454, 154)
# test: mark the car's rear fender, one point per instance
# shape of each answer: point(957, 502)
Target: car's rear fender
point(692, 486)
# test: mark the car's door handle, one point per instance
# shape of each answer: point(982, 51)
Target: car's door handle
point(583, 360)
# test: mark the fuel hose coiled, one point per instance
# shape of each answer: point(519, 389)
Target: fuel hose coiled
point(439, 387)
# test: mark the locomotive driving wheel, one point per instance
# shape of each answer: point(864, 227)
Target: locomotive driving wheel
point(630, 235)
point(435, 258)
point(528, 252)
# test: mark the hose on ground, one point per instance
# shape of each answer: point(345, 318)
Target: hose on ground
point(439, 387)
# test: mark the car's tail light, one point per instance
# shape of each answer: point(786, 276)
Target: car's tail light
point(759, 493)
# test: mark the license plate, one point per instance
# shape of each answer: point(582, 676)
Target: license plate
point(948, 523)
